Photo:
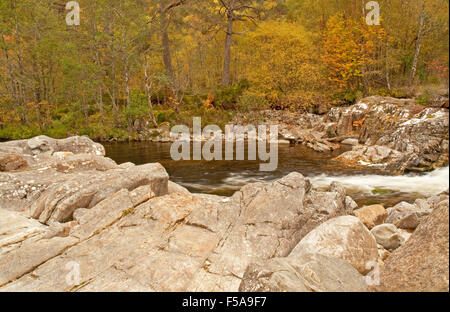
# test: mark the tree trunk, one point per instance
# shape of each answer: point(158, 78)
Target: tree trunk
point(100, 104)
point(127, 91)
point(85, 112)
point(149, 96)
point(227, 54)
point(418, 45)
point(21, 70)
point(386, 60)
point(165, 42)
point(387, 74)
point(11, 73)
point(113, 96)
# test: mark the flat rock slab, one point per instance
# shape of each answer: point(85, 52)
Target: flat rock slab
point(304, 273)
point(176, 242)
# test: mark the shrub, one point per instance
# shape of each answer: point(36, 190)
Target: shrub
point(250, 101)
point(227, 98)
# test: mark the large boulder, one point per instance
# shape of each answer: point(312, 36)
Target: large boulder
point(273, 218)
point(46, 145)
point(303, 273)
point(371, 216)
point(422, 263)
point(175, 188)
point(344, 237)
point(59, 201)
point(388, 236)
point(379, 157)
point(191, 242)
point(407, 216)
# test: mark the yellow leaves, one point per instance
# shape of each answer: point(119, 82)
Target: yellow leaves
point(208, 103)
point(280, 56)
point(359, 123)
point(172, 102)
point(269, 5)
point(9, 38)
point(350, 44)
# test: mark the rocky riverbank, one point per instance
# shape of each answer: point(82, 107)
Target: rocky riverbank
point(388, 134)
point(128, 228)
point(391, 135)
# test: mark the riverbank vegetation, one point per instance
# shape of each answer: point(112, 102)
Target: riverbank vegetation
point(145, 63)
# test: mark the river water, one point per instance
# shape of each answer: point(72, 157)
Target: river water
point(226, 177)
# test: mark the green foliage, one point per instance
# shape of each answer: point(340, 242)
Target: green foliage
point(251, 101)
point(298, 55)
point(347, 97)
point(138, 106)
point(425, 98)
point(163, 116)
point(228, 97)
point(399, 93)
point(17, 132)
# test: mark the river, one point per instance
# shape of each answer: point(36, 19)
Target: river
point(365, 186)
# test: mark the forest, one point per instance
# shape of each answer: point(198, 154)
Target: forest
point(131, 64)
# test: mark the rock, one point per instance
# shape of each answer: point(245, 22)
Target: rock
point(371, 216)
point(425, 135)
point(350, 205)
point(383, 254)
point(80, 162)
point(303, 273)
point(347, 117)
point(103, 215)
point(388, 236)
point(12, 162)
point(422, 263)
point(46, 145)
point(30, 255)
point(310, 138)
point(141, 194)
point(190, 242)
point(41, 144)
point(423, 204)
point(405, 234)
point(395, 137)
point(15, 228)
point(273, 219)
point(62, 155)
point(344, 237)
point(57, 229)
point(127, 165)
point(406, 216)
point(59, 202)
point(378, 157)
point(80, 145)
point(352, 142)
point(177, 189)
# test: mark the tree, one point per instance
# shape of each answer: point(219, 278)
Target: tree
point(418, 43)
point(235, 10)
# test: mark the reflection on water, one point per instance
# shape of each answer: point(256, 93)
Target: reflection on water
point(226, 177)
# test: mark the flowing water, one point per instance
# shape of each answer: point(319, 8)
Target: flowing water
point(366, 186)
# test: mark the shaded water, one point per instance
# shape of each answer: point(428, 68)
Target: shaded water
point(226, 177)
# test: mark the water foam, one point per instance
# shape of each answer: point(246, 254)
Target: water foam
point(427, 184)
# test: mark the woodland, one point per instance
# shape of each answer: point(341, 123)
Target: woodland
point(146, 63)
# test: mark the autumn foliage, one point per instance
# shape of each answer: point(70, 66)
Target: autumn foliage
point(148, 62)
